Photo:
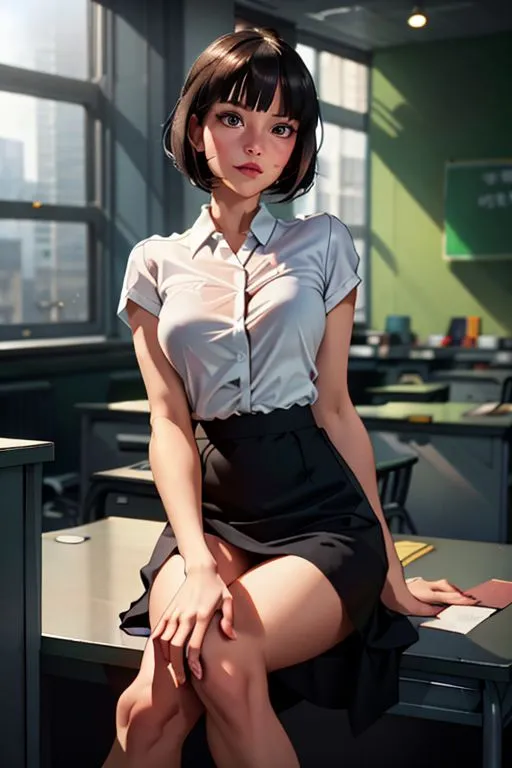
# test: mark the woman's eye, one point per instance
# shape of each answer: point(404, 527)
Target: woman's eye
point(227, 117)
point(288, 128)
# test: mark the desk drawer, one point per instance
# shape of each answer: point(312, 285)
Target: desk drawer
point(440, 691)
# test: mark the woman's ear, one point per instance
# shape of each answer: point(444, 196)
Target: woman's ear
point(195, 134)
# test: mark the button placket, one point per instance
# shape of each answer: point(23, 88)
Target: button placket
point(242, 357)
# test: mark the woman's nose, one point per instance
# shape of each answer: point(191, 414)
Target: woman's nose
point(253, 144)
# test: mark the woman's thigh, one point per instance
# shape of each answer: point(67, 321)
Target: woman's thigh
point(292, 608)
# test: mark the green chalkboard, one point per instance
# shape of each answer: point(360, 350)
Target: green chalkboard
point(478, 210)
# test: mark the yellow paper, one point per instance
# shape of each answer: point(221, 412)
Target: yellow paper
point(409, 551)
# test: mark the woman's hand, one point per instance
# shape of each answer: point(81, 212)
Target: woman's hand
point(187, 618)
point(423, 598)
point(441, 591)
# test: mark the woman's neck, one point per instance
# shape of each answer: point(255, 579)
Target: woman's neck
point(233, 216)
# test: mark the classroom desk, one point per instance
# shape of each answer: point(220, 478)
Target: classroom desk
point(478, 386)
point(460, 486)
point(444, 676)
point(393, 361)
point(409, 393)
point(100, 423)
point(20, 597)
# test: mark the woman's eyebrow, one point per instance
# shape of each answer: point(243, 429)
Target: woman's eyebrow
point(239, 105)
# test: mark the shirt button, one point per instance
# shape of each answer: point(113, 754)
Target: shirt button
point(240, 357)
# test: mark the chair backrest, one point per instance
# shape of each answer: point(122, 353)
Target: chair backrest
point(394, 479)
point(506, 392)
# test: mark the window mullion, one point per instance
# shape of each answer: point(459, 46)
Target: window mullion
point(49, 86)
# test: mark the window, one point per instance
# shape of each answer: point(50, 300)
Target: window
point(341, 184)
point(49, 219)
point(47, 36)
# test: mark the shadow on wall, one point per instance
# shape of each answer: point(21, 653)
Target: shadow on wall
point(491, 283)
point(385, 253)
point(439, 102)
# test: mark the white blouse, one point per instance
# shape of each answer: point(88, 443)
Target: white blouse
point(243, 330)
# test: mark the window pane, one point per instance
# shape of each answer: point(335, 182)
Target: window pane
point(307, 55)
point(42, 150)
point(43, 272)
point(340, 186)
point(343, 82)
point(48, 36)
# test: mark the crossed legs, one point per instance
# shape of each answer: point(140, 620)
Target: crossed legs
point(285, 611)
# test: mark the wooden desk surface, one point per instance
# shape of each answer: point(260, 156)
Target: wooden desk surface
point(85, 586)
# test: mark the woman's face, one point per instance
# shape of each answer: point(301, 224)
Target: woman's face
point(232, 136)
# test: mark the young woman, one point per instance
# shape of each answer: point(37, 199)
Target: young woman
point(276, 575)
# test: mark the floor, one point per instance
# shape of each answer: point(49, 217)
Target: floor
point(80, 730)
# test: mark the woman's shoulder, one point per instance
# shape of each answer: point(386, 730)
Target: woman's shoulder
point(321, 224)
point(162, 245)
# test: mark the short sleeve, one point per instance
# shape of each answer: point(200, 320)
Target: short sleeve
point(139, 285)
point(342, 262)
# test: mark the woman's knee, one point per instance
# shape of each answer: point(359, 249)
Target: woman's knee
point(234, 673)
point(142, 722)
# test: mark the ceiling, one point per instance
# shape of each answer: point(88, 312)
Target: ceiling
point(371, 24)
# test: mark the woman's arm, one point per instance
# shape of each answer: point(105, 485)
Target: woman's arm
point(351, 439)
point(173, 453)
point(335, 412)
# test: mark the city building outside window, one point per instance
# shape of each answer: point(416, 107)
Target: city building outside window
point(47, 212)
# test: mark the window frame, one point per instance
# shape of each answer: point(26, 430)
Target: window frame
point(358, 121)
point(87, 94)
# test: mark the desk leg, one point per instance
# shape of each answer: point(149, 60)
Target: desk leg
point(492, 726)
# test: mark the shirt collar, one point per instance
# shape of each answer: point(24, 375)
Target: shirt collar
point(262, 227)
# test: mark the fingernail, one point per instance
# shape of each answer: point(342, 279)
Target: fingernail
point(198, 672)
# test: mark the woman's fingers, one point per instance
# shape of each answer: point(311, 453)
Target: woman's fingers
point(226, 621)
point(453, 593)
point(176, 644)
point(194, 646)
point(170, 626)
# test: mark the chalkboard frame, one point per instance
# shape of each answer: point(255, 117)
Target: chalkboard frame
point(487, 163)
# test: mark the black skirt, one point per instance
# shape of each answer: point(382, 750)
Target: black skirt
point(274, 484)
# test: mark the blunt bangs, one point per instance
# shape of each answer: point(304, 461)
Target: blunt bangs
point(245, 68)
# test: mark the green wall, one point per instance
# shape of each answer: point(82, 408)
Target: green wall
point(432, 103)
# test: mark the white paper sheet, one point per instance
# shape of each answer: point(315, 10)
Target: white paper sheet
point(459, 618)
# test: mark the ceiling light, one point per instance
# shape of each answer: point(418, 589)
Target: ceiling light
point(417, 18)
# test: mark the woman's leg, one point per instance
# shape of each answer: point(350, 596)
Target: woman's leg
point(154, 717)
point(285, 611)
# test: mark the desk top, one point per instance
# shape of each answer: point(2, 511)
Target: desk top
point(14, 452)
point(405, 389)
point(447, 418)
point(120, 408)
point(497, 375)
point(449, 415)
point(448, 354)
point(129, 472)
point(85, 586)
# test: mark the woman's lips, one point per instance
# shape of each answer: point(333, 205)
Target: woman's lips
point(250, 171)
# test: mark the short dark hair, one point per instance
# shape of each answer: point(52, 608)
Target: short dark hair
point(245, 68)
